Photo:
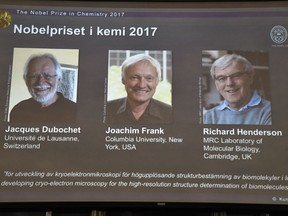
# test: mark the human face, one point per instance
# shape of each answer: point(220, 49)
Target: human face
point(42, 81)
point(140, 82)
point(234, 85)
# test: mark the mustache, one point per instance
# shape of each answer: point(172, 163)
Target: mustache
point(41, 87)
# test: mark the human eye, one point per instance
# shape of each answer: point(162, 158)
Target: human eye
point(134, 77)
point(149, 78)
point(32, 76)
point(49, 76)
point(237, 75)
point(221, 78)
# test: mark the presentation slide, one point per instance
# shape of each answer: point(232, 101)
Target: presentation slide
point(144, 102)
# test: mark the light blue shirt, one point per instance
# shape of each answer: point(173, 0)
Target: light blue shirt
point(254, 101)
point(256, 112)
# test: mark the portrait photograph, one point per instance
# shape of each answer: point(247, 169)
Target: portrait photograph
point(139, 87)
point(43, 83)
point(235, 87)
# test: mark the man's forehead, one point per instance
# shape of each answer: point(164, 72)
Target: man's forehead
point(142, 66)
point(42, 63)
point(232, 68)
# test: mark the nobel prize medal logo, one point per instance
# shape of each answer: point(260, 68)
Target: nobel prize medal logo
point(278, 34)
point(5, 19)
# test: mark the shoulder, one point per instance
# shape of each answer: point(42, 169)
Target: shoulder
point(160, 111)
point(212, 115)
point(116, 101)
point(116, 104)
point(266, 103)
point(160, 108)
point(265, 112)
point(216, 109)
point(160, 104)
point(24, 103)
point(23, 109)
point(64, 101)
point(263, 107)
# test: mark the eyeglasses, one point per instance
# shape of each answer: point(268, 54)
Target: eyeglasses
point(44, 75)
point(235, 76)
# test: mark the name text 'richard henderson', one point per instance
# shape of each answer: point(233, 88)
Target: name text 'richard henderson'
point(130, 130)
point(240, 131)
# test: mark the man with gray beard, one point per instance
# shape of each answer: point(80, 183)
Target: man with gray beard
point(42, 75)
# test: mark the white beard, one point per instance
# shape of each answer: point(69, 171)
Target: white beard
point(45, 98)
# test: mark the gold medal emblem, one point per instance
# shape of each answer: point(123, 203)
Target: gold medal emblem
point(5, 19)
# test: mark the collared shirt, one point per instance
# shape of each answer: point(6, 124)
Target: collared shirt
point(118, 111)
point(256, 112)
point(254, 101)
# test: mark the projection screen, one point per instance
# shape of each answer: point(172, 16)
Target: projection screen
point(82, 122)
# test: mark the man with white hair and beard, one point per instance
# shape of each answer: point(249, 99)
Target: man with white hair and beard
point(42, 75)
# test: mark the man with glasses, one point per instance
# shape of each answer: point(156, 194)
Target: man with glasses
point(140, 76)
point(233, 76)
point(42, 75)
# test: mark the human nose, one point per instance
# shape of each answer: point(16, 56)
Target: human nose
point(142, 82)
point(229, 80)
point(40, 78)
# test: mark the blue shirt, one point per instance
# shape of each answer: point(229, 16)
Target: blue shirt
point(256, 112)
